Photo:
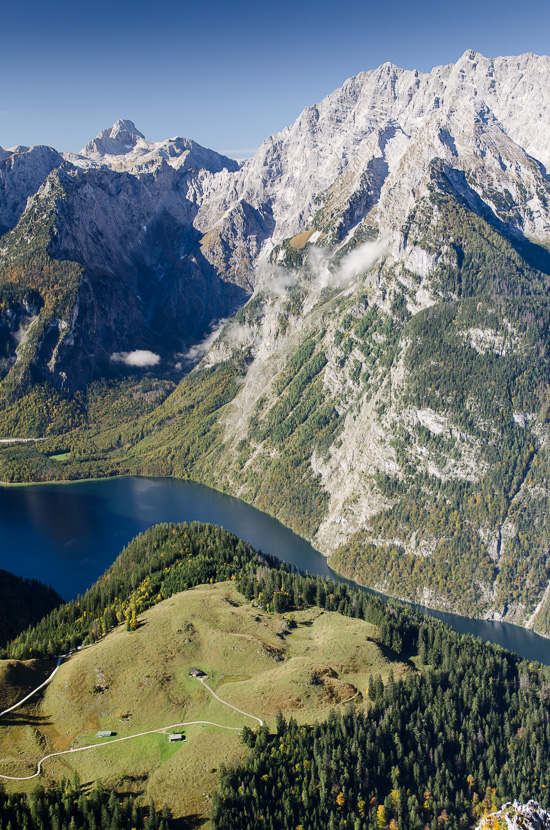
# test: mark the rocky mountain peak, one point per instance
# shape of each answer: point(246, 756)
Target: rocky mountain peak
point(122, 130)
point(117, 140)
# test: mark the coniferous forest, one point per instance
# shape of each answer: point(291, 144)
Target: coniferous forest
point(441, 748)
point(467, 728)
point(68, 806)
point(23, 602)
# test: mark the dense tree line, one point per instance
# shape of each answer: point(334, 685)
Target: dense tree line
point(23, 602)
point(165, 559)
point(67, 806)
point(442, 747)
point(169, 558)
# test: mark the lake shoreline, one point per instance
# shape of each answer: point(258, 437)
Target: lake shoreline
point(128, 504)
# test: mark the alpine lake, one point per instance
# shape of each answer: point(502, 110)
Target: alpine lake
point(66, 535)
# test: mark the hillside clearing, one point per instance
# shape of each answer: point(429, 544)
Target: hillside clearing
point(135, 681)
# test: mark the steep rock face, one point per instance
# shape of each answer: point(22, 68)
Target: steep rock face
point(143, 282)
point(463, 111)
point(22, 171)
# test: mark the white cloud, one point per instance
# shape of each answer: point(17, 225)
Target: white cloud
point(359, 261)
point(237, 333)
point(197, 352)
point(322, 270)
point(274, 279)
point(139, 357)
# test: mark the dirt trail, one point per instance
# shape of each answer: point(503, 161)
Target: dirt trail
point(225, 703)
point(160, 730)
point(34, 691)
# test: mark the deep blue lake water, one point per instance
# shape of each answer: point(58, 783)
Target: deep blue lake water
point(66, 535)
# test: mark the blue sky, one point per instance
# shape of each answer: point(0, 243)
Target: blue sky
point(224, 74)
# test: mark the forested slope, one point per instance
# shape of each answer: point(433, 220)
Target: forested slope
point(466, 728)
point(23, 602)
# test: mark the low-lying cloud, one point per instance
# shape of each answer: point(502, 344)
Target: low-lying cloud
point(328, 275)
point(140, 358)
point(359, 261)
point(322, 269)
point(197, 352)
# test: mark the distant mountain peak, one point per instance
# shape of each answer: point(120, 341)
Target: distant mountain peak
point(114, 141)
point(122, 130)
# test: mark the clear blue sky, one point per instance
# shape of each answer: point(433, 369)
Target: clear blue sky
point(225, 74)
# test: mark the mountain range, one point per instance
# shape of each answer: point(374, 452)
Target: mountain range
point(366, 304)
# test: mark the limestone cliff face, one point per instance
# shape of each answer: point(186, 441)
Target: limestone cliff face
point(395, 403)
point(22, 171)
point(371, 142)
point(124, 218)
point(180, 234)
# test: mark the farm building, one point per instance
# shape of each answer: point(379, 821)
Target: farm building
point(176, 736)
point(198, 673)
point(106, 734)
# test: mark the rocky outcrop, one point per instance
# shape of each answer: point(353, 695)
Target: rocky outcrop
point(517, 816)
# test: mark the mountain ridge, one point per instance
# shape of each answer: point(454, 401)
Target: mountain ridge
point(385, 389)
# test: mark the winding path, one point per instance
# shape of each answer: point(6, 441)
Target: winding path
point(225, 703)
point(161, 730)
point(34, 691)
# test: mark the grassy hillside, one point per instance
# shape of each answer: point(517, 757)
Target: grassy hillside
point(132, 681)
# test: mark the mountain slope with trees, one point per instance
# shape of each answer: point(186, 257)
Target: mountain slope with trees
point(384, 391)
point(463, 729)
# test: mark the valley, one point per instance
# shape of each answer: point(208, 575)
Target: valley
point(350, 331)
point(364, 356)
